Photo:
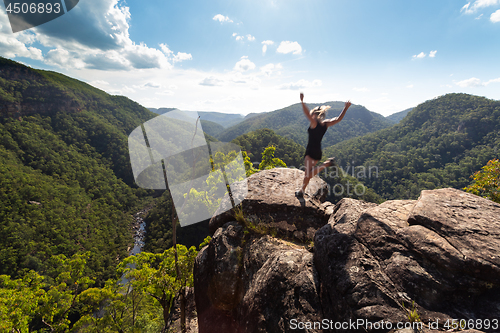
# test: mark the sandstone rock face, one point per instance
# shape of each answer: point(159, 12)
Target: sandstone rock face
point(438, 255)
point(440, 252)
point(191, 316)
point(247, 284)
point(271, 201)
point(56, 100)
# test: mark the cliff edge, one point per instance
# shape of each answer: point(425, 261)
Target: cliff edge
point(371, 267)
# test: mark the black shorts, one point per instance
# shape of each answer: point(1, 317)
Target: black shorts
point(315, 154)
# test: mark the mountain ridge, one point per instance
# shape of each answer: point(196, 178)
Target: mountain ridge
point(291, 123)
point(440, 143)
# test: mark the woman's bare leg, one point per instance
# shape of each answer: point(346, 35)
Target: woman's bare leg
point(311, 170)
point(309, 164)
point(319, 168)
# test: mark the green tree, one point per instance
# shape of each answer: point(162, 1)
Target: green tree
point(487, 181)
point(156, 276)
point(19, 300)
point(269, 161)
point(44, 302)
point(249, 169)
point(120, 306)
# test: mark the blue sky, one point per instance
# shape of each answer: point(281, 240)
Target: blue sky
point(257, 55)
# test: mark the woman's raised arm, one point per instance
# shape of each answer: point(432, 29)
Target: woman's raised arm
point(333, 121)
point(307, 113)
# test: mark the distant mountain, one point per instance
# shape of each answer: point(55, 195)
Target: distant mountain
point(161, 110)
point(398, 116)
point(291, 123)
point(223, 119)
point(211, 128)
point(440, 143)
point(255, 142)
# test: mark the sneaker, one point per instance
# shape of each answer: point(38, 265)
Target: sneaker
point(331, 162)
point(299, 194)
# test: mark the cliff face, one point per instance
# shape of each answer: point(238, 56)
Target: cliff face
point(438, 255)
point(25, 92)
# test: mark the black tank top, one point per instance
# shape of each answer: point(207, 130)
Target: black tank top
point(314, 145)
point(315, 136)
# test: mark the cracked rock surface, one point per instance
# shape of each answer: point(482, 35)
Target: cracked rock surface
point(440, 252)
point(438, 255)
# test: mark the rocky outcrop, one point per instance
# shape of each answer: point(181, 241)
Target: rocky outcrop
point(438, 254)
point(254, 284)
point(191, 317)
point(437, 257)
point(271, 202)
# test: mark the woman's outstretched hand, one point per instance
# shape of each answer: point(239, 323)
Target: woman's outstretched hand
point(301, 97)
point(347, 105)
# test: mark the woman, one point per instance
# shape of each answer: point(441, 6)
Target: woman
point(317, 128)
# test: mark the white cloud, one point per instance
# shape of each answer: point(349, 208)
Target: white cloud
point(62, 58)
point(249, 37)
point(12, 46)
point(362, 89)
point(495, 17)
point(94, 36)
point(409, 86)
point(181, 56)
point(164, 48)
point(472, 82)
point(465, 8)
point(265, 44)
point(211, 81)
point(422, 55)
point(141, 56)
point(240, 78)
point(478, 4)
point(221, 18)
point(244, 65)
point(301, 84)
point(270, 69)
point(99, 82)
point(146, 85)
point(165, 93)
point(151, 85)
point(475, 82)
point(286, 47)
point(419, 56)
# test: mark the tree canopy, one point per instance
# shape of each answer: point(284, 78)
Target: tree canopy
point(487, 181)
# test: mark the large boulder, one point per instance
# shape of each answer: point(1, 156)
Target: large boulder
point(435, 259)
point(245, 283)
point(271, 202)
point(438, 255)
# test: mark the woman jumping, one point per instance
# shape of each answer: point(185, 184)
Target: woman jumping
point(317, 128)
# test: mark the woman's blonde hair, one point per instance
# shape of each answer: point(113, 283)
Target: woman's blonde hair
point(320, 111)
